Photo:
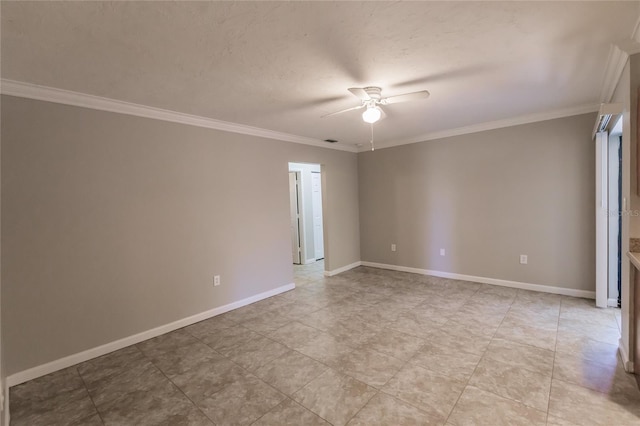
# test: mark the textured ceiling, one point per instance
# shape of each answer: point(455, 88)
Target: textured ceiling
point(281, 65)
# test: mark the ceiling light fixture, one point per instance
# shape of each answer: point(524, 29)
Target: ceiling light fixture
point(372, 114)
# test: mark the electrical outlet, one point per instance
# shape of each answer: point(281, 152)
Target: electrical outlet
point(442, 252)
point(216, 280)
point(523, 259)
point(393, 247)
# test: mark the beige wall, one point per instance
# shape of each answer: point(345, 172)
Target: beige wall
point(486, 198)
point(113, 225)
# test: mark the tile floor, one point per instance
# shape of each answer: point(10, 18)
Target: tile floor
point(366, 347)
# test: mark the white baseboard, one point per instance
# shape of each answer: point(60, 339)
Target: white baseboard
point(68, 361)
point(494, 281)
point(612, 303)
point(309, 261)
point(342, 269)
point(624, 355)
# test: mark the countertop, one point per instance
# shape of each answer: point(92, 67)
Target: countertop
point(635, 259)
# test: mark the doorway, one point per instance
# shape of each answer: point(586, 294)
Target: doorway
point(306, 211)
point(609, 211)
point(294, 215)
point(614, 190)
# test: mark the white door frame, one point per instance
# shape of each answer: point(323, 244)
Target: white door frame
point(602, 222)
point(302, 230)
point(318, 240)
point(298, 212)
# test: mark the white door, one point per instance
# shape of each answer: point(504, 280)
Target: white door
point(601, 219)
point(295, 216)
point(316, 200)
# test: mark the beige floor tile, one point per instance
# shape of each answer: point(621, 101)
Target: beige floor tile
point(138, 379)
point(67, 407)
point(353, 331)
point(457, 337)
point(257, 353)
point(585, 406)
point(166, 342)
point(334, 396)
point(518, 384)
point(245, 313)
point(241, 402)
point(471, 326)
point(267, 323)
point(368, 366)
point(432, 392)
point(290, 413)
point(529, 335)
point(609, 379)
point(518, 355)
point(163, 404)
point(443, 359)
point(201, 382)
point(414, 325)
point(228, 339)
point(290, 372)
point(480, 408)
point(588, 349)
point(184, 358)
point(211, 325)
point(396, 344)
point(322, 319)
point(110, 365)
point(557, 421)
point(326, 349)
point(295, 335)
point(538, 317)
point(599, 332)
point(385, 410)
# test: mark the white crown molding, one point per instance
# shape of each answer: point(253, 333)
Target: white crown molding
point(67, 97)
point(615, 66)
point(491, 125)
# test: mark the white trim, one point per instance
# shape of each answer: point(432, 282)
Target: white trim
point(624, 355)
point(68, 361)
point(612, 303)
point(615, 66)
point(484, 280)
point(67, 97)
point(309, 261)
point(491, 125)
point(342, 269)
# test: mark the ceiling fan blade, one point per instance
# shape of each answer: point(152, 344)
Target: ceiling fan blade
point(360, 93)
point(344, 110)
point(414, 96)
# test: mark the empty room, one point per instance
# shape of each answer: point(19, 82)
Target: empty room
point(319, 213)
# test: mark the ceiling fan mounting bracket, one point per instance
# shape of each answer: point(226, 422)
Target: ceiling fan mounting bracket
point(374, 92)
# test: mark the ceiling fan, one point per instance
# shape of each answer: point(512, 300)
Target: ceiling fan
point(372, 99)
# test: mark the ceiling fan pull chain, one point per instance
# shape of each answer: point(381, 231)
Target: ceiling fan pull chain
point(372, 148)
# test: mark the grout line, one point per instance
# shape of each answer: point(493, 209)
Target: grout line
point(89, 394)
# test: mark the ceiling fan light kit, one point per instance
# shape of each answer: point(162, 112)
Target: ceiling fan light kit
point(371, 114)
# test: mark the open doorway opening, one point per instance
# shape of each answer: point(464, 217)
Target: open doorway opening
point(306, 213)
